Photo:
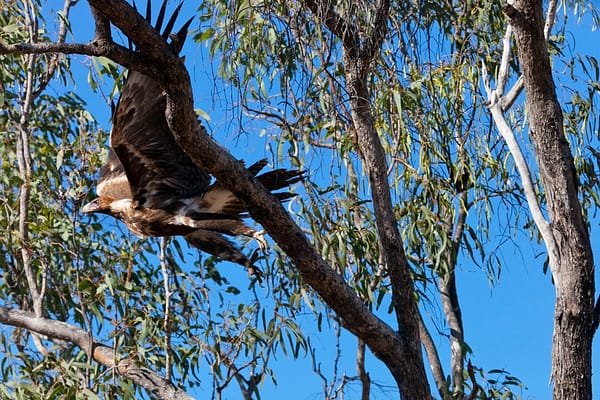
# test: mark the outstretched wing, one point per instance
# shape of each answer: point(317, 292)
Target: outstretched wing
point(160, 174)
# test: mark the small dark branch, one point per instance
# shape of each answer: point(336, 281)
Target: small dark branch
point(475, 387)
point(245, 385)
point(97, 48)
point(373, 44)
point(365, 379)
point(434, 359)
point(101, 353)
point(324, 11)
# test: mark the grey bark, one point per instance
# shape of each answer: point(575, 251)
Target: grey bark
point(573, 268)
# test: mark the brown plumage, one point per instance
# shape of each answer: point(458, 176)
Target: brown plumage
point(151, 184)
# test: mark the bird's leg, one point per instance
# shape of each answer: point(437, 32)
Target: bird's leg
point(254, 271)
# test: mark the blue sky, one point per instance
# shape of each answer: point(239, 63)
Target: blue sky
point(508, 326)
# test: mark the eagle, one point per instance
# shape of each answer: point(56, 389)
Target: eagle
point(152, 186)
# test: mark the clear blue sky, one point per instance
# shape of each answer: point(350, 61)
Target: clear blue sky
point(508, 326)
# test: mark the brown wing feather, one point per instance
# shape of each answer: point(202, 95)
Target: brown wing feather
point(158, 170)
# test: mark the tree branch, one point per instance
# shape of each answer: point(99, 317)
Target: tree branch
point(325, 13)
point(522, 167)
point(167, 318)
point(571, 262)
point(103, 354)
point(373, 43)
point(507, 101)
point(411, 381)
point(25, 164)
point(97, 48)
point(434, 359)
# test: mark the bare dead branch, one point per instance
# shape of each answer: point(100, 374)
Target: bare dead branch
point(524, 172)
point(103, 354)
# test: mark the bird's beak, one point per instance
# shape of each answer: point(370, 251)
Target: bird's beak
point(90, 207)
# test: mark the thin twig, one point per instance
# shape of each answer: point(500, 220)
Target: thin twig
point(25, 162)
point(167, 318)
point(365, 379)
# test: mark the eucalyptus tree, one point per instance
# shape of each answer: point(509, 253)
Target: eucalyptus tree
point(410, 158)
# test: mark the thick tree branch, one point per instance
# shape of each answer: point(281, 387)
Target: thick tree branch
point(507, 101)
point(102, 25)
point(144, 377)
point(373, 44)
point(412, 381)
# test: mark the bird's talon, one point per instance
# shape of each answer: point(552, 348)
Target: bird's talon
point(260, 238)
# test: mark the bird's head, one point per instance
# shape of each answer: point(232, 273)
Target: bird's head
point(100, 204)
